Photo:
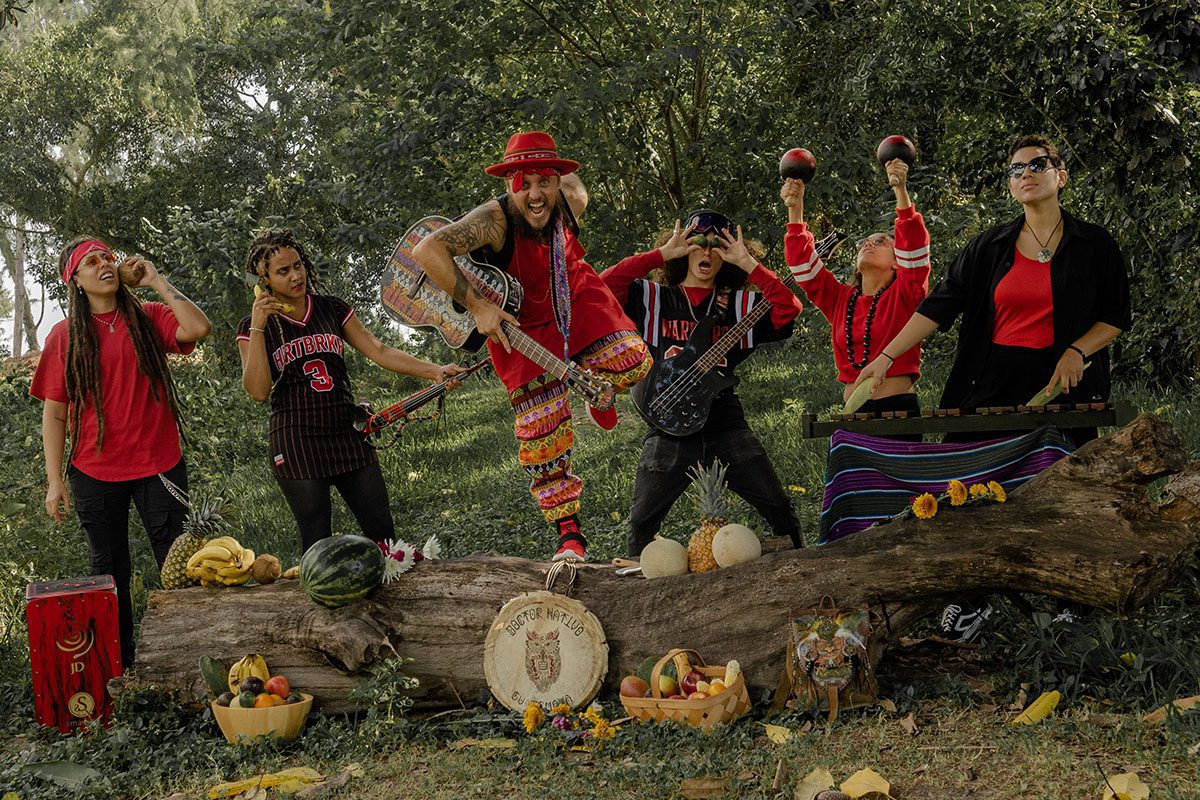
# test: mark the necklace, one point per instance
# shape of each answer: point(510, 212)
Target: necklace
point(1044, 255)
point(111, 323)
point(688, 302)
point(850, 308)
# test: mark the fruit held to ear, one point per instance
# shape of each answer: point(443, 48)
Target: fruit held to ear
point(798, 163)
point(664, 557)
point(896, 147)
point(633, 686)
point(130, 275)
point(735, 544)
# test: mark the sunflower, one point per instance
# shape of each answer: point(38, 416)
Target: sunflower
point(534, 716)
point(978, 491)
point(925, 506)
point(997, 491)
point(957, 491)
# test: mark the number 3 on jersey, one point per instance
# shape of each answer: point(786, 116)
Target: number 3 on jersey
point(318, 374)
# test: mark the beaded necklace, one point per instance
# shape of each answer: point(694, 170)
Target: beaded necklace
point(850, 307)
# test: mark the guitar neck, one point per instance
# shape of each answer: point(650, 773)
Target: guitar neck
point(731, 337)
point(534, 351)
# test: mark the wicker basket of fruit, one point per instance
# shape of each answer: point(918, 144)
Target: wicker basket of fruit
point(710, 695)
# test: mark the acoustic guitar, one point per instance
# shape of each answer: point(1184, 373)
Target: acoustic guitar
point(411, 298)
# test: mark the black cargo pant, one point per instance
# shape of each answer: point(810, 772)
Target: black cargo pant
point(103, 509)
point(662, 476)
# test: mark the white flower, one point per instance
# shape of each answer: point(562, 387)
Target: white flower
point(432, 548)
point(398, 559)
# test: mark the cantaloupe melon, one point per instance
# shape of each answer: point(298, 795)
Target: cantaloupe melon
point(735, 544)
point(664, 557)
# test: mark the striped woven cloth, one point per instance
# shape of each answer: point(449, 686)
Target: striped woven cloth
point(869, 479)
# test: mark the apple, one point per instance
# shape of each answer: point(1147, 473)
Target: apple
point(697, 696)
point(667, 685)
point(677, 697)
point(278, 685)
point(633, 686)
point(688, 684)
point(896, 147)
point(798, 163)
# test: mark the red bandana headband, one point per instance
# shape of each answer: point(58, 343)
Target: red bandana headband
point(518, 177)
point(79, 253)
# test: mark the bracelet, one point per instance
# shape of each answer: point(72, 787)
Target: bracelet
point(260, 330)
point(1082, 354)
point(889, 358)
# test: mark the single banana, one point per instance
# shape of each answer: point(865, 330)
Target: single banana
point(247, 559)
point(287, 307)
point(230, 571)
point(291, 573)
point(210, 553)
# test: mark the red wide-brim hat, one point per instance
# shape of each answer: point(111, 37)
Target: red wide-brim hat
point(531, 151)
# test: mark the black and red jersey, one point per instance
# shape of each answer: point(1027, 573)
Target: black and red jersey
point(312, 433)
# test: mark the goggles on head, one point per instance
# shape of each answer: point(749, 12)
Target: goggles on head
point(707, 221)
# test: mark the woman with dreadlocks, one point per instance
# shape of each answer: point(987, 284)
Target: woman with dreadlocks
point(103, 378)
point(291, 346)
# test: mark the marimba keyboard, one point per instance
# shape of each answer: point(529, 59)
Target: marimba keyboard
point(955, 420)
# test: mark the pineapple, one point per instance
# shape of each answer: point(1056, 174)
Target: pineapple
point(204, 521)
point(709, 497)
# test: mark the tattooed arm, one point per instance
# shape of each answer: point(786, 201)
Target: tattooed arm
point(485, 226)
point(193, 324)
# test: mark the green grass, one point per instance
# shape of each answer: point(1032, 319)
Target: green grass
point(458, 478)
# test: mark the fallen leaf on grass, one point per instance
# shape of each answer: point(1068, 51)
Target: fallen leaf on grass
point(489, 744)
point(813, 784)
point(779, 734)
point(701, 788)
point(64, 773)
point(909, 724)
point(1126, 786)
point(1159, 715)
point(1021, 699)
point(1038, 710)
point(288, 781)
point(866, 783)
point(887, 705)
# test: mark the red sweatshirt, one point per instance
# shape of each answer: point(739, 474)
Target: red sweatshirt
point(896, 304)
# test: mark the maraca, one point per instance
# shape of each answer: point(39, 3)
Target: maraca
point(799, 164)
point(896, 147)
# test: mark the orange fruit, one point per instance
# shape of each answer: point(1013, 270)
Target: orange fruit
point(264, 701)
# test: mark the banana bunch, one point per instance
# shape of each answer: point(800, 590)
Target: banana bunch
point(252, 666)
point(221, 562)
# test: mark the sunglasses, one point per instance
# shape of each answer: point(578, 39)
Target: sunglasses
point(878, 240)
point(705, 242)
point(1036, 165)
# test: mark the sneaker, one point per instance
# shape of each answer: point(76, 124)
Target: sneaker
point(572, 546)
point(606, 419)
point(961, 622)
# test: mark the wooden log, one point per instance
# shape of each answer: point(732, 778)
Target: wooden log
point(1082, 530)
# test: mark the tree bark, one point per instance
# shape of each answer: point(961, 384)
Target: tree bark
point(1083, 530)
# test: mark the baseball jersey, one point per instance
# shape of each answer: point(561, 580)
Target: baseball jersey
point(311, 432)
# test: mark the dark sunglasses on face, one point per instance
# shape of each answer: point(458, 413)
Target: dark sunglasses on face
point(1036, 166)
point(878, 240)
point(704, 242)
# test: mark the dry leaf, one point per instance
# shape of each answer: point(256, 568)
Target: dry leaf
point(1194, 749)
point(909, 724)
point(701, 788)
point(887, 705)
point(813, 784)
point(1126, 786)
point(1159, 715)
point(1022, 698)
point(778, 734)
point(866, 783)
point(490, 744)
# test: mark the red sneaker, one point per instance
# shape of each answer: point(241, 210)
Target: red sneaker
point(572, 546)
point(606, 419)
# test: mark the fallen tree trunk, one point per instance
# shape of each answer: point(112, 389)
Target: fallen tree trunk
point(1082, 530)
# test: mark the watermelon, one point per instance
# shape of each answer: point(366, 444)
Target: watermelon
point(341, 569)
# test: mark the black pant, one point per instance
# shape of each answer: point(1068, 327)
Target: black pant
point(898, 402)
point(103, 509)
point(363, 490)
point(662, 476)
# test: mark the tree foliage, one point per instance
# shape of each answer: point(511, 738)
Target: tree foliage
point(348, 121)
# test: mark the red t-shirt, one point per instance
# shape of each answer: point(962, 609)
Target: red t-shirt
point(896, 304)
point(1024, 305)
point(140, 434)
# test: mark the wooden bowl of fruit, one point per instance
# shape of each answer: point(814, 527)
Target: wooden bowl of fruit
point(270, 709)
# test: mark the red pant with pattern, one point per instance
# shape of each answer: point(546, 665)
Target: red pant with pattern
point(543, 420)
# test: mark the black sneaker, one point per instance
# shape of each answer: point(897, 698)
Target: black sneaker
point(961, 621)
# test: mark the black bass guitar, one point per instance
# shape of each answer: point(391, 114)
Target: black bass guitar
point(412, 299)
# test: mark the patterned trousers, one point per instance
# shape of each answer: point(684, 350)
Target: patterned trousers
point(543, 420)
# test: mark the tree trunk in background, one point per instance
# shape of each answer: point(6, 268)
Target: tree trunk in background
point(24, 325)
point(1082, 530)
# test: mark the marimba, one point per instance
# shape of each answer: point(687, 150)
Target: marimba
point(956, 420)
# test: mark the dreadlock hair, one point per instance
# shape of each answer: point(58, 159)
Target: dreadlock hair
point(83, 353)
point(267, 243)
point(730, 277)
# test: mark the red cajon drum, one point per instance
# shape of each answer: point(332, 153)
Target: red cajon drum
point(74, 649)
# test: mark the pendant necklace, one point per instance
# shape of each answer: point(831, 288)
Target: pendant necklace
point(1044, 255)
point(111, 323)
point(691, 310)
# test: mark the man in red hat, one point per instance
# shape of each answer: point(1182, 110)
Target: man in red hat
point(530, 232)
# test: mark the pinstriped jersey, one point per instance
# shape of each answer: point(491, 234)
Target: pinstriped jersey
point(312, 433)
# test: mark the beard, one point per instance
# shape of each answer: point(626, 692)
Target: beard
point(523, 228)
